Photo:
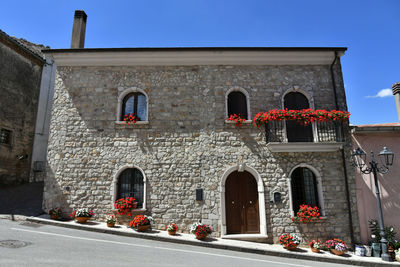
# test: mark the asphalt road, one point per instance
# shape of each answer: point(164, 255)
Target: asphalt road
point(30, 244)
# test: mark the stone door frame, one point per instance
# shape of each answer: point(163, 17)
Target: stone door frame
point(261, 199)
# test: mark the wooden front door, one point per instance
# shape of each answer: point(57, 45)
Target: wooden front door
point(241, 202)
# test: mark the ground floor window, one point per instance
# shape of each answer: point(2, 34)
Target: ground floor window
point(131, 184)
point(304, 188)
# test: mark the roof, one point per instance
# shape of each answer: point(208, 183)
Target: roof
point(374, 128)
point(137, 49)
point(24, 47)
point(178, 56)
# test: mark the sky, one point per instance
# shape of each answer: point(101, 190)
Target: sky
point(369, 29)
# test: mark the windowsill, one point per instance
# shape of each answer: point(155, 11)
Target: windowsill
point(136, 123)
point(233, 122)
point(135, 211)
point(322, 219)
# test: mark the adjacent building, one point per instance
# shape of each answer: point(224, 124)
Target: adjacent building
point(22, 68)
point(373, 137)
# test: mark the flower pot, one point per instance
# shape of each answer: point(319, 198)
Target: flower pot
point(82, 219)
point(315, 250)
point(110, 224)
point(337, 252)
point(173, 232)
point(201, 236)
point(290, 247)
point(398, 257)
point(143, 228)
point(376, 250)
point(368, 251)
point(360, 250)
point(54, 217)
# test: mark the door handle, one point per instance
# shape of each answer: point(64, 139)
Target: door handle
point(251, 202)
point(233, 202)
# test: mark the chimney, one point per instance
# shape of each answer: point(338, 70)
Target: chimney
point(396, 93)
point(79, 29)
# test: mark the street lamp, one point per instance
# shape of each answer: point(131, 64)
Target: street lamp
point(386, 156)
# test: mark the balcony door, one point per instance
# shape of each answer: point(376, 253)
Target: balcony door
point(296, 132)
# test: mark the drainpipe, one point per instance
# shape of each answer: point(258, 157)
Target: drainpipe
point(346, 180)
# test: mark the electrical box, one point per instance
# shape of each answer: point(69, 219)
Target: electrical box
point(199, 194)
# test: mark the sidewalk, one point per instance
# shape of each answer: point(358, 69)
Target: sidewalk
point(212, 242)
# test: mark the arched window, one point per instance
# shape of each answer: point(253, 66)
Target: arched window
point(296, 132)
point(237, 104)
point(131, 184)
point(304, 188)
point(135, 103)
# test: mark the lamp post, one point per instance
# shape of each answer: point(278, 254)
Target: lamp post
point(386, 156)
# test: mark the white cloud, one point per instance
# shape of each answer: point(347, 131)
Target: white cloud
point(382, 93)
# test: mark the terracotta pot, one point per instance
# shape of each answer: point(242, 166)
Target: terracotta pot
point(290, 247)
point(173, 232)
point(201, 237)
point(54, 217)
point(110, 224)
point(143, 228)
point(315, 250)
point(337, 252)
point(82, 219)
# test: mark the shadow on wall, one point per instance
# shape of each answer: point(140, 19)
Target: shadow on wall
point(55, 195)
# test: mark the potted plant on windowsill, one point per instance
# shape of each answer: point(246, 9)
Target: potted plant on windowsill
point(131, 118)
point(125, 205)
point(55, 213)
point(82, 215)
point(238, 119)
point(307, 214)
point(141, 223)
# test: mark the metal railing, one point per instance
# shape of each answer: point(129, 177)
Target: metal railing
point(323, 132)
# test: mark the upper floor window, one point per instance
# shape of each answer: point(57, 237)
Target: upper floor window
point(5, 136)
point(296, 132)
point(131, 184)
point(136, 104)
point(304, 188)
point(237, 104)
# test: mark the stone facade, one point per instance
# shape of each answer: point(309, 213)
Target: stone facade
point(187, 144)
point(20, 74)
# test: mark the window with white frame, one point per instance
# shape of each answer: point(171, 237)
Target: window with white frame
point(237, 102)
point(304, 188)
point(131, 184)
point(134, 103)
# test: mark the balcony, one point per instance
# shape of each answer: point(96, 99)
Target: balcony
point(290, 136)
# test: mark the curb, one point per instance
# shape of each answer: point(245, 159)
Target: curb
point(295, 255)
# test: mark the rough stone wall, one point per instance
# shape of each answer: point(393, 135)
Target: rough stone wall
point(19, 91)
point(186, 145)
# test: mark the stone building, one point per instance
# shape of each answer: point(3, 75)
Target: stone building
point(21, 67)
point(183, 161)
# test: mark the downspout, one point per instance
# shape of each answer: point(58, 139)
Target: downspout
point(346, 180)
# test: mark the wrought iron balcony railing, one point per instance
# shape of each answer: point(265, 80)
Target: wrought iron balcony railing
point(291, 132)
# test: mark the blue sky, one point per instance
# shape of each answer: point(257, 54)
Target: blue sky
point(370, 30)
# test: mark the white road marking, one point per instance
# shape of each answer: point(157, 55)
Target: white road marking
point(155, 247)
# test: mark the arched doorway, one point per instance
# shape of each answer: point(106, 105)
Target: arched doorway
point(242, 204)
